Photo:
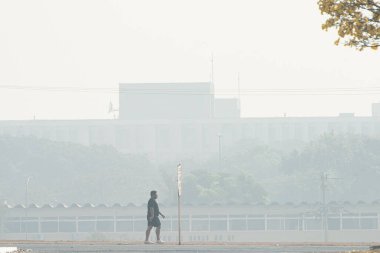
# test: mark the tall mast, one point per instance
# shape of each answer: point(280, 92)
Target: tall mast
point(212, 72)
point(212, 86)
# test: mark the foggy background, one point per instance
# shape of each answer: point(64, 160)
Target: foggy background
point(64, 60)
point(97, 44)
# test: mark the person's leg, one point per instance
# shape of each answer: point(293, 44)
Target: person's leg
point(158, 230)
point(147, 233)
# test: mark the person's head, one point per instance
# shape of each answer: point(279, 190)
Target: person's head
point(153, 194)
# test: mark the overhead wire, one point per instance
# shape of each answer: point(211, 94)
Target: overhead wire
point(370, 90)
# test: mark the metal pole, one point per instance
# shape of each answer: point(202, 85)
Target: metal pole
point(324, 215)
point(220, 151)
point(179, 219)
point(179, 182)
point(26, 207)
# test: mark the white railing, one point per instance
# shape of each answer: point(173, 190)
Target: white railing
point(190, 223)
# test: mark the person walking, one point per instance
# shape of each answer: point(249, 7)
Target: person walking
point(153, 218)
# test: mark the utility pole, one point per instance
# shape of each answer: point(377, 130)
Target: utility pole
point(324, 181)
point(239, 93)
point(220, 150)
point(324, 209)
point(179, 184)
point(212, 87)
point(26, 207)
point(212, 70)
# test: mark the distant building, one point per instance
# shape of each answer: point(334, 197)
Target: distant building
point(191, 138)
point(149, 101)
point(183, 120)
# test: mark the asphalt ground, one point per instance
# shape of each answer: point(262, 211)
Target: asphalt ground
point(119, 247)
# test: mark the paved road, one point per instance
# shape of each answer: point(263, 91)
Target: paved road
point(80, 247)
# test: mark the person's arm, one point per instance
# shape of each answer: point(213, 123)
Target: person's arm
point(163, 216)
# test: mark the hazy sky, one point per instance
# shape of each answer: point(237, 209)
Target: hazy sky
point(97, 44)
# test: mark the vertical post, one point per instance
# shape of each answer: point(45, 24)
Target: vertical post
point(220, 150)
point(179, 184)
point(26, 210)
point(39, 228)
point(133, 223)
point(324, 212)
point(212, 69)
point(228, 222)
point(179, 218)
point(266, 222)
point(239, 95)
point(171, 224)
point(114, 223)
point(26, 207)
point(76, 225)
point(212, 88)
point(59, 221)
point(209, 223)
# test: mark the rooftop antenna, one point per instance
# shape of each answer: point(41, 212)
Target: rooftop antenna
point(112, 109)
point(212, 86)
point(238, 94)
point(212, 69)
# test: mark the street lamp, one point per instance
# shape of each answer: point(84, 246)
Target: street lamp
point(324, 212)
point(26, 206)
point(324, 182)
point(220, 151)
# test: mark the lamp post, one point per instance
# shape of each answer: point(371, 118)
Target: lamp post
point(26, 206)
point(179, 182)
point(324, 184)
point(220, 150)
point(324, 211)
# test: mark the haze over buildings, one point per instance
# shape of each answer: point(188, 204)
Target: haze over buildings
point(175, 121)
point(271, 121)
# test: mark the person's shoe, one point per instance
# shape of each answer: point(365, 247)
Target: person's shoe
point(160, 242)
point(148, 242)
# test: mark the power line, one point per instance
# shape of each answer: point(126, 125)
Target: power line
point(372, 90)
